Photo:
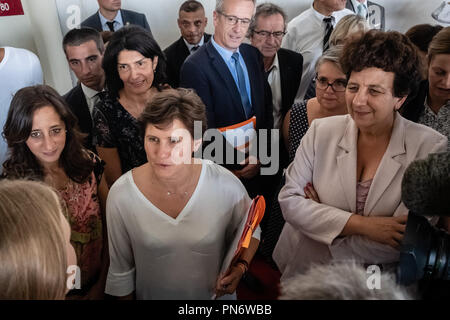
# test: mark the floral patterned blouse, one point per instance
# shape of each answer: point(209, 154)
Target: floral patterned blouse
point(115, 127)
point(86, 223)
point(439, 122)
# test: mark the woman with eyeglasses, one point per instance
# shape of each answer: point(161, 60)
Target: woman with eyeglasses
point(45, 145)
point(342, 197)
point(135, 71)
point(329, 101)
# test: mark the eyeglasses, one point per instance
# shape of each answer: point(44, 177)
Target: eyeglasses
point(337, 85)
point(233, 20)
point(267, 34)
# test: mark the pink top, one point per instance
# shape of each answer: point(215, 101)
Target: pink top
point(86, 224)
point(362, 190)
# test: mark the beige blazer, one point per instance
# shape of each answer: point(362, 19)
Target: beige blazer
point(327, 157)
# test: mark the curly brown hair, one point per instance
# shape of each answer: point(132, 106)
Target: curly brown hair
point(21, 162)
point(390, 51)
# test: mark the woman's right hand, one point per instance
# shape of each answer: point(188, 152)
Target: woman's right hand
point(386, 230)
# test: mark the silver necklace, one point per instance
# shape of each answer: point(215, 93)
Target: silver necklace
point(174, 193)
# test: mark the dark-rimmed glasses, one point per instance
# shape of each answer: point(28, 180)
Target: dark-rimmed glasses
point(337, 85)
point(267, 34)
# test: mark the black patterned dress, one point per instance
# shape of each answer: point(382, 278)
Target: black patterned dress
point(298, 125)
point(115, 127)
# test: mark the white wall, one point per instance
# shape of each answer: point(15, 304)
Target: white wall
point(40, 31)
point(15, 31)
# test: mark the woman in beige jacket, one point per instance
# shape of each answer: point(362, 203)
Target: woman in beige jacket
point(342, 198)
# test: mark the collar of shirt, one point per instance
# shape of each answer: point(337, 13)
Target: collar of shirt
point(88, 92)
point(118, 21)
point(190, 46)
point(443, 110)
point(355, 4)
point(224, 53)
point(90, 95)
point(320, 16)
point(275, 65)
point(226, 56)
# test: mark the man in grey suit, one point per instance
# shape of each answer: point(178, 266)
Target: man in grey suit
point(371, 11)
point(110, 17)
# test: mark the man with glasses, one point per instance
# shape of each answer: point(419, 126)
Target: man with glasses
point(192, 23)
point(229, 77)
point(283, 67)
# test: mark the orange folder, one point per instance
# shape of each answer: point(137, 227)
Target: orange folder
point(244, 233)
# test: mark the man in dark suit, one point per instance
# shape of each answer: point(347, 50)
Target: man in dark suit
point(84, 52)
point(229, 77)
point(371, 11)
point(192, 23)
point(283, 66)
point(110, 17)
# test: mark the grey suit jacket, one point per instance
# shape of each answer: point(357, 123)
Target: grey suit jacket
point(375, 17)
point(128, 17)
point(327, 158)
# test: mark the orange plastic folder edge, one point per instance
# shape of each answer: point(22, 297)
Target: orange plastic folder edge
point(240, 135)
point(244, 233)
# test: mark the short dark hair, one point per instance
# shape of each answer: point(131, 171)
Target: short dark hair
point(191, 6)
point(390, 51)
point(76, 37)
point(168, 105)
point(265, 10)
point(132, 38)
point(422, 34)
point(21, 162)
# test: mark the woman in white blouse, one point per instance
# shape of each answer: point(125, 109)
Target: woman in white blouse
point(171, 220)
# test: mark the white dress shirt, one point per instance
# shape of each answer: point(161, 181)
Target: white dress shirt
point(275, 86)
point(191, 46)
point(305, 35)
point(118, 21)
point(91, 97)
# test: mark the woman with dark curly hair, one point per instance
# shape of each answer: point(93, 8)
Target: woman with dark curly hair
point(135, 70)
point(45, 145)
point(342, 196)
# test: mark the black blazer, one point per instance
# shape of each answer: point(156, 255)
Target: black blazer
point(291, 67)
point(77, 103)
point(128, 17)
point(374, 9)
point(206, 72)
point(176, 53)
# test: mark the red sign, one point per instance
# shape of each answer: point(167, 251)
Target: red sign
point(10, 8)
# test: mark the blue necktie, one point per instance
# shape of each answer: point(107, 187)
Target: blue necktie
point(362, 11)
point(241, 85)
